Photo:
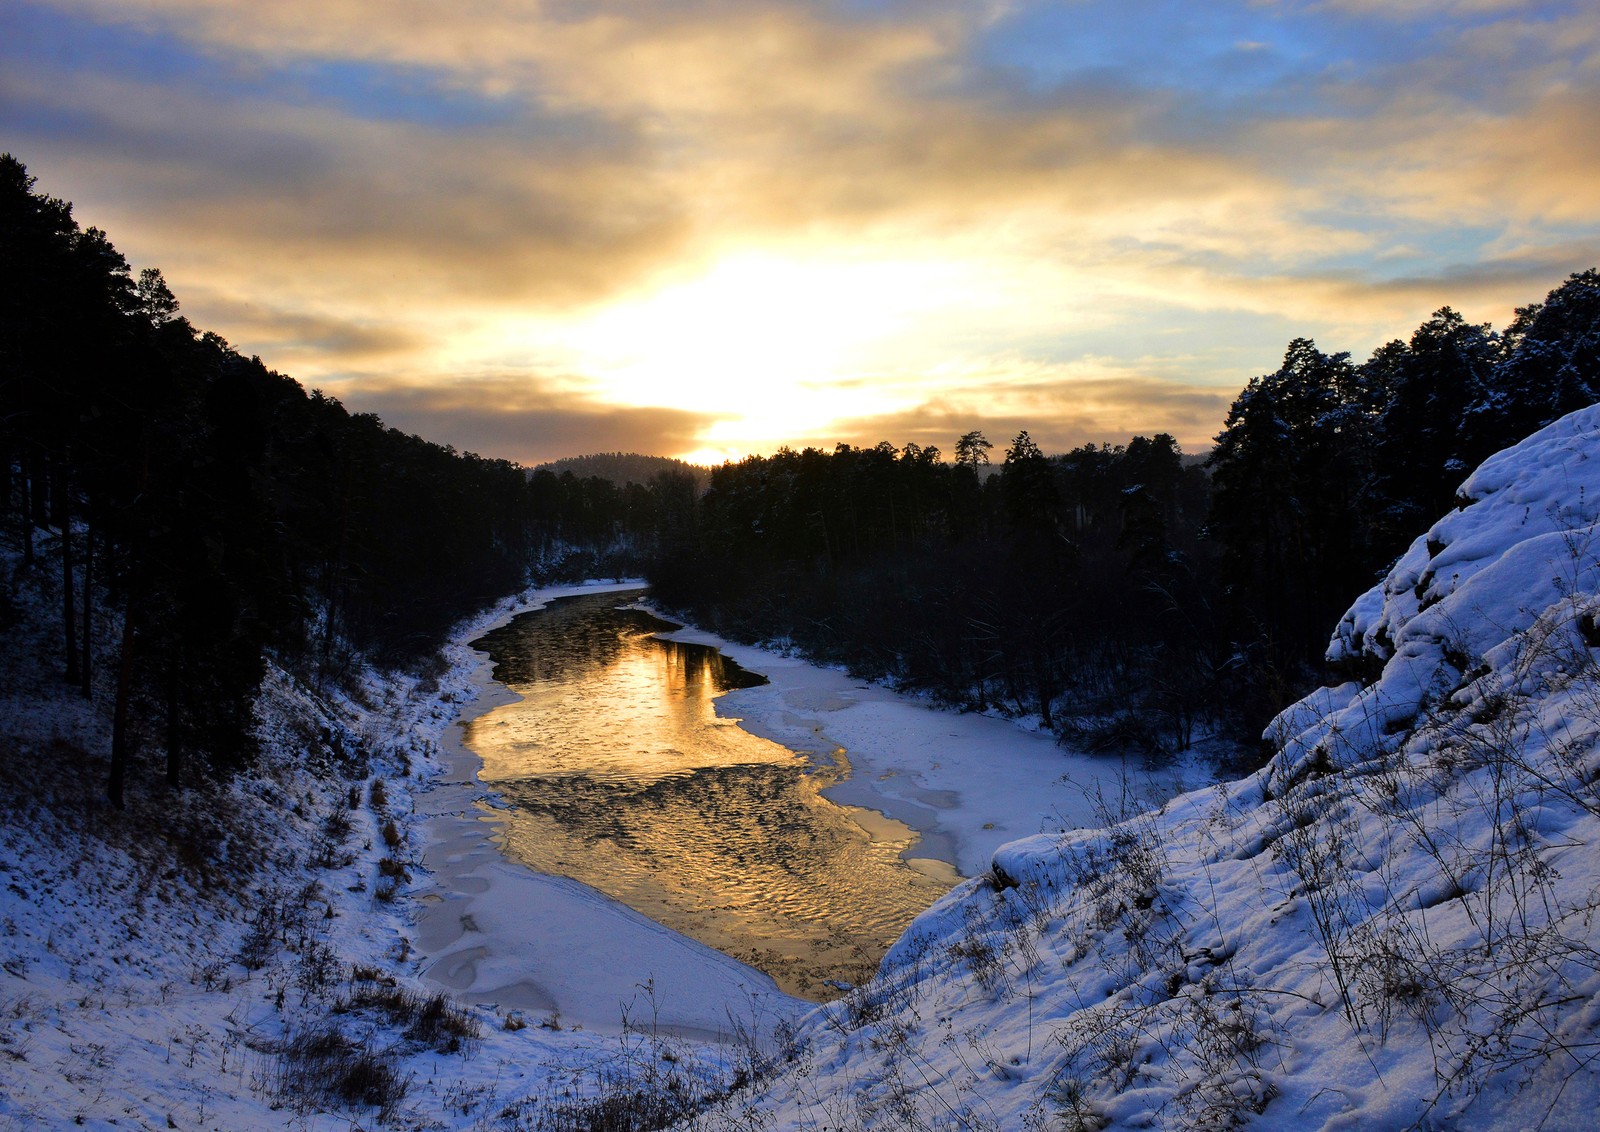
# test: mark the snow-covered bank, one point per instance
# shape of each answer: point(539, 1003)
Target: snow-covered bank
point(265, 953)
point(1394, 924)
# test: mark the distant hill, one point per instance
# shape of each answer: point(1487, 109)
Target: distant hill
point(623, 468)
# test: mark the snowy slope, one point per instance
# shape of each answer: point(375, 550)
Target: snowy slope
point(1390, 925)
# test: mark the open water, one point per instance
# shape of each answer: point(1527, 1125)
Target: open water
point(619, 773)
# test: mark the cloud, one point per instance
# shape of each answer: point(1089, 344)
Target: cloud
point(297, 198)
point(521, 419)
point(291, 336)
point(1062, 407)
point(755, 115)
point(349, 184)
point(1401, 10)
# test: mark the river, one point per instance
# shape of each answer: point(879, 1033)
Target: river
point(618, 772)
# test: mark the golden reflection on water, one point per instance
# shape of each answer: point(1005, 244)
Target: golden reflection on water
point(620, 774)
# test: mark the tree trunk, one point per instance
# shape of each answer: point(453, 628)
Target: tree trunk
point(1044, 686)
point(174, 733)
point(40, 495)
point(69, 615)
point(59, 503)
point(5, 477)
point(119, 716)
point(86, 668)
point(25, 512)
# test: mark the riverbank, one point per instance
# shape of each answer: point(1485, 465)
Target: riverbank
point(244, 953)
point(239, 954)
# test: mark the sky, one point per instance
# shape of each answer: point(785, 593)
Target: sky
point(705, 228)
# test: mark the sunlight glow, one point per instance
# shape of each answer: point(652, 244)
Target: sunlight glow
point(813, 347)
point(710, 457)
point(772, 344)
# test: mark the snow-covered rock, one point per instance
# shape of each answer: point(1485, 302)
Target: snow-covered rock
point(1392, 924)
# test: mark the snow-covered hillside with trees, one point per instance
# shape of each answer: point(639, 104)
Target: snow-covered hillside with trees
point(1393, 924)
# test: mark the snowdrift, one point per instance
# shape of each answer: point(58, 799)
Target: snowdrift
point(1392, 924)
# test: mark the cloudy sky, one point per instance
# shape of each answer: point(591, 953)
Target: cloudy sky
point(535, 228)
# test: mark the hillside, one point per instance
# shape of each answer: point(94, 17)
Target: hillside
point(623, 468)
point(1390, 925)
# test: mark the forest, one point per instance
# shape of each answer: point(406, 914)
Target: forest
point(1130, 595)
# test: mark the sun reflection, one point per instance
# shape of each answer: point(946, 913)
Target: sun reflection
point(620, 773)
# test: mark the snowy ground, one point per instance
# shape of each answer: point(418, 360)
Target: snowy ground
point(268, 953)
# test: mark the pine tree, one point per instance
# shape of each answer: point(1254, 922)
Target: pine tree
point(1552, 368)
point(1288, 469)
point(1426, 387)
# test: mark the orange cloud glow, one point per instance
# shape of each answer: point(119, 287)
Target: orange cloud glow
point(731, 225)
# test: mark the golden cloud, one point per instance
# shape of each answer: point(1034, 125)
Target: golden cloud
point(628, 148)
point(519, 418)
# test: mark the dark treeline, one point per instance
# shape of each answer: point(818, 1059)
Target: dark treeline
point(1056, 585)
point(1125, 593)
point(218, 511)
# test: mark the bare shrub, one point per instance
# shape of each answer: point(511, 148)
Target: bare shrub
point(434, 1020)
point(317, 970)
point(337, 825)
point(325, 1069)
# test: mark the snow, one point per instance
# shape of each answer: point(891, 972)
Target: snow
point(103, 1019)
point(1394, 923)
point(126, 998)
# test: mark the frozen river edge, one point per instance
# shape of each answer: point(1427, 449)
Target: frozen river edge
point(496, 932)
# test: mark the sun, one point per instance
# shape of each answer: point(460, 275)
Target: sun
point(769, 346)
point(712, 457)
